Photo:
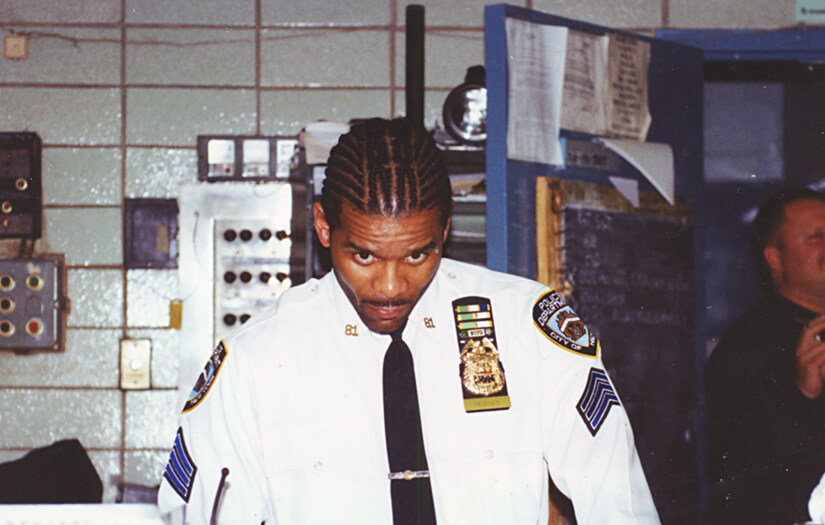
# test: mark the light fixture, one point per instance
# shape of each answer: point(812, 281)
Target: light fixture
point(465, 109)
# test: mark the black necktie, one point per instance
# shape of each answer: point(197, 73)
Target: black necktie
point(412, 498)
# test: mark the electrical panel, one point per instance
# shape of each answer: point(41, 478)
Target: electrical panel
point(252, 268)
point(32, 304)
point(21, 194)
point(150, 233)
point(228, 158)
point(241, 246)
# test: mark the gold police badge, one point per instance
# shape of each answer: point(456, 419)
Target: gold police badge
point(482, 373)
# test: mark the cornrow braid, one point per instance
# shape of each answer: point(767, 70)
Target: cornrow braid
point(388, 168)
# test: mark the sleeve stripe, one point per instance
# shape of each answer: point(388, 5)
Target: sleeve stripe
point(183, 455)
point(596, 401)
point(180, 470)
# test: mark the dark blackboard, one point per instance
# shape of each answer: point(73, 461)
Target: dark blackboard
point(631, 280)
point(628, 272)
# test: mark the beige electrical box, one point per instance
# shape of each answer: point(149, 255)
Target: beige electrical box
point(16, 47)
point(135, 364)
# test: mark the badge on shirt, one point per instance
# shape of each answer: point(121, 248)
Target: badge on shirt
point(207, 378)
point(482, 374)
point(180, 469)
point(559, 323)
point(597, 400)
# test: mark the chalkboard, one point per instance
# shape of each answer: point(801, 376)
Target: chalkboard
point(628, 272)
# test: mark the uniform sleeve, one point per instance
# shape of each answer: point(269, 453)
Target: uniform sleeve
point(217, 431)
point(586, 435)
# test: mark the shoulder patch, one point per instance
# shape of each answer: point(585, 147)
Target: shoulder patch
point(559, 323)
point(597, 400)
point(207, 377)
point(180, 469)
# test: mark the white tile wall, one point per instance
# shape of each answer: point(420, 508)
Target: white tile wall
point(81, 176)
point(165, 360)
point(324, 12)
point(145, 410)
point(38, 417)
point(159, 173)
point(107, 464)
point(175, 117)
point(447, 55)
point(146, 291)
point(190, 56)
point(726, 14)
point(287, 112)
point(63, 115)
point(96, 298)
point(88, 236)
point(217, 12)
point(90, 360)
point(313, 57)
point(468, 13)
point(65, 11)
point(145, 467)
point(624, 14)
point(66, 56)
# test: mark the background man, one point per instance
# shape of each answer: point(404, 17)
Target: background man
point(321, 413)
point(766, 411)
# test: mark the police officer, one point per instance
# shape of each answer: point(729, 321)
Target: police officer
point(403, 387)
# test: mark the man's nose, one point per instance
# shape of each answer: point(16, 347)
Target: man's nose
point(390, 281)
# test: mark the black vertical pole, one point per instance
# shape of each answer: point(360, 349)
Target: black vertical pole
point(415, 64)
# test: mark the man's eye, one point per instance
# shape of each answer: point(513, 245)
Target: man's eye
point(417, 257)
point(364, 257)
point(816, 237)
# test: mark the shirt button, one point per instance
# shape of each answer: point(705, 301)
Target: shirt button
point(318, 465)
point(489, 454)
point(314, 288)
point(451, 275)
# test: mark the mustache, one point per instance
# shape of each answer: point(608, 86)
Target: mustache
point(391, 303)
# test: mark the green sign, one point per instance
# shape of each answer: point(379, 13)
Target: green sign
point(812, 11)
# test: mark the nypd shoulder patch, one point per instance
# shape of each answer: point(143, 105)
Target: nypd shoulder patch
point(180, 470)
point(597, 400)
point(207, 377)
point(559, 323)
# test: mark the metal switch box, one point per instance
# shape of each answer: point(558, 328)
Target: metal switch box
point(32, 306)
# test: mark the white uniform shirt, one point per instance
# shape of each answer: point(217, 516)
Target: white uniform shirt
point(294, 410)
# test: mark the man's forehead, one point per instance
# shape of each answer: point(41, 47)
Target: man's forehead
point(803, 210)
point(350, 214)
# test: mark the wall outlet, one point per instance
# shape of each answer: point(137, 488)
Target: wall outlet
point(135, 364)
point(16, 47)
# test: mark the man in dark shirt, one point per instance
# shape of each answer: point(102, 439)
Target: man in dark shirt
point(766, 409)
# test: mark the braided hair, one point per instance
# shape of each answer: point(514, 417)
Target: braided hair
point(385, 167)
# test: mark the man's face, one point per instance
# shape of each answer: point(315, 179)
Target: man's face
point(798, 262)
point(384, 264)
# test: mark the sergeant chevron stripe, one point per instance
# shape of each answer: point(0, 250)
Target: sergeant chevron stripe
point(596, 400)
point(180, 470)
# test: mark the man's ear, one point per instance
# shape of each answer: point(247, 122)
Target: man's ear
point(773, 257)
point(321, 224)
point(446, 230)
